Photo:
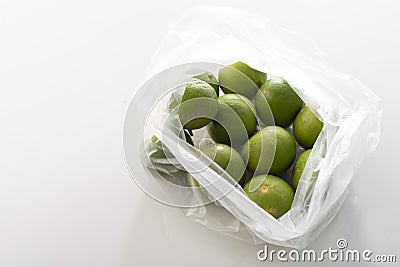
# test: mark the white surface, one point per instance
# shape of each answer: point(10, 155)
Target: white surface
point(67, 73)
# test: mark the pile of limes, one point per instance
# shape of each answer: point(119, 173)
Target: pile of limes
point(251, 124)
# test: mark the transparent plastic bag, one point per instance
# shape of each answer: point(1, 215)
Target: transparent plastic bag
point(211, 37)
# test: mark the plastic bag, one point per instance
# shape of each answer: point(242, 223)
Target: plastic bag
point(209, 37)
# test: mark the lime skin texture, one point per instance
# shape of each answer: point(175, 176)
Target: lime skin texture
point(228, 158)
point(240, 78)
point(271, 193)
point(198, 105)
point(306, 128)
point(209, 78)
point(235, 120)
point(283, 102)
point(271, 150)
point(299, 167)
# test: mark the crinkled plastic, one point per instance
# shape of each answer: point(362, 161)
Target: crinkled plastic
point(349, 110)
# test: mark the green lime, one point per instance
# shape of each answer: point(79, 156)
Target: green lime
point(271, 150)
point(282, 100)
point(236, 116)
point(198, 105)
point(218, 133)
point(271, 193)
point(240, 78)
point(228, 158)
point(306, 128)
point(209, 78)
point(299, 167)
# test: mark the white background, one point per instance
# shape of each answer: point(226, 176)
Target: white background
point(68, 70)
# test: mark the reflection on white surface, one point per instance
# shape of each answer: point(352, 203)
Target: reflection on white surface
point(67, 72)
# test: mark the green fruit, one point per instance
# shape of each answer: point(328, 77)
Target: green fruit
point(271, 193)
point(306, 128)
point(271, 150)
point(198, 105)
point(240, 78)
point(228, 158)
point(218, 133)
point(299, 167)
point(236, 113)
point(209, 78)
point(282, 100)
